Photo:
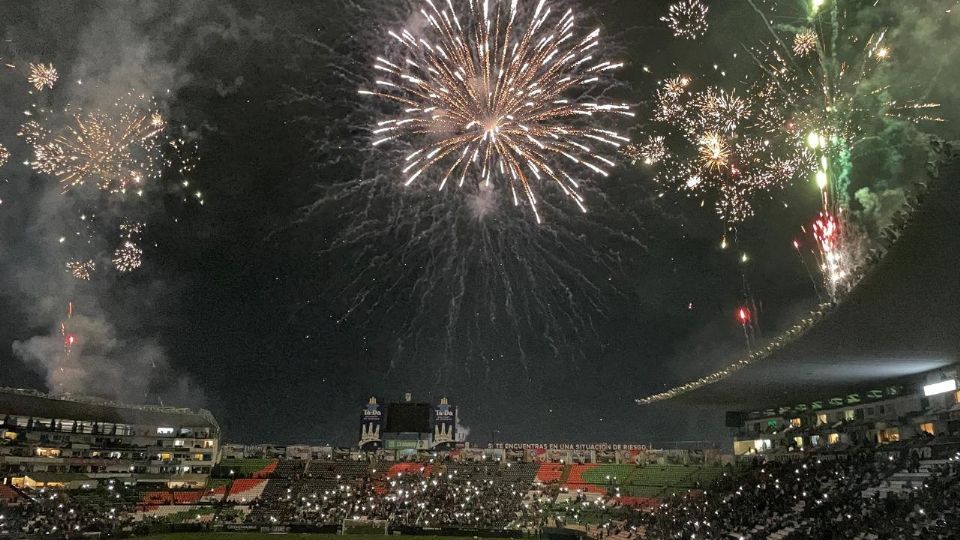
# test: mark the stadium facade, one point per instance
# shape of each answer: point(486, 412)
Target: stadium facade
point(69, 441)
point(926, 405)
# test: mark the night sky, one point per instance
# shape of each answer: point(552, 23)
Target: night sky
point(246, 305)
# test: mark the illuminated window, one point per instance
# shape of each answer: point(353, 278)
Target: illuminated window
point(164, 431)
point(198, 457)
point(956, 396)
point(795, 422)
point(849, 415)
point(165, 456)
point(821, 419)
point(10, 435)
point(927, 428)
point(48, 452)
point(889, 435)
point(833, 438)
point(941, 387)
point(208, 443)
point(798, 442)
point(178, 443)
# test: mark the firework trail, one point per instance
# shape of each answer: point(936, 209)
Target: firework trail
point(69, 338)
point(463, 275)
point(495, 97)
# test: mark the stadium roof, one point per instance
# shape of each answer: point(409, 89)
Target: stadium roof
point(901, 321)
point(38, 405)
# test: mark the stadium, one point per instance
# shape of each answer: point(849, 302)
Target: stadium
point(827, 431)
point(489, 269)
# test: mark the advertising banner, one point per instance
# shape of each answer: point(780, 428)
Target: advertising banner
point(371, 425)
point(444, 424)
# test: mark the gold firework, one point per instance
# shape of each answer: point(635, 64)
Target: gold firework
point(42, 76)
point(82, 270)
point(116, 149)
point(804, 42)
point(714, 152)
point(494, 98)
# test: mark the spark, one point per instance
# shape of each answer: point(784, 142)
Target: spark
point(42, 76)
point(4, 155)
point(687, 19)
point(492, 99)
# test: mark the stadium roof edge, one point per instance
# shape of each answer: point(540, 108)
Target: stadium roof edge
point(900, 322)
point(98, 408)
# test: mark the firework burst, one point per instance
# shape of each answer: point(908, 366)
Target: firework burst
point(4, 155)
point(128, 257)
point(722, 110)
point(687, 19)
point(42, 76)
point(491, 98)
point(653, 150)
point(116, 149)
point(714, 152)
point(805, 42)
point(718, 147)
point(82, 270)
point(467, 278)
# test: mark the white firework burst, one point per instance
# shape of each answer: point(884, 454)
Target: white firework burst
point(687, 19)
point(495, 97)
point(127, 257)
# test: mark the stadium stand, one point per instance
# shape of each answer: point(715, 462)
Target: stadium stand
point(286, 468)
point(399, 469)
point(245, 468)
point(246, 490)
point(549, 472)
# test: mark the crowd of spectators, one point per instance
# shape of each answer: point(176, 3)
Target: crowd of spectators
point(63, 514)
point(449, 499)
point(844, 495)
point(829, 496)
